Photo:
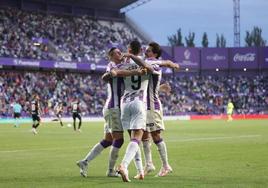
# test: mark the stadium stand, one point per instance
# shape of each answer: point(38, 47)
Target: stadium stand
point(55, 37)
point(190, 94)
point(209, 94)
point(83, 35)
point(52, 88)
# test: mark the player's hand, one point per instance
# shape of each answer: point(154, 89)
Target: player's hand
point(149, 68)
point(165, 88)
point(126, 55)
point(106, 76)
point(113, 73)
point(176, 67)
point(141, 71)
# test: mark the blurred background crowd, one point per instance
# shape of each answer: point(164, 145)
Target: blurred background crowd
point(190, 94)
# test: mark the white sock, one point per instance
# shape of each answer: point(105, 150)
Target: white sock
point(131, 151)
point(94, 152)
point(147, 152)
point(162, 149)
point(113, 157)
point(138, 161)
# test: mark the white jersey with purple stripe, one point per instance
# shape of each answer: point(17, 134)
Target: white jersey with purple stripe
point(135, 86)
point(153, 101)
point(114, 88)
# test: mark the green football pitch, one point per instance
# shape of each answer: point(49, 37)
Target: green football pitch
point(202, 154)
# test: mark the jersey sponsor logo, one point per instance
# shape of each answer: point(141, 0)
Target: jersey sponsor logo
point(128, 97)
point(132, 67)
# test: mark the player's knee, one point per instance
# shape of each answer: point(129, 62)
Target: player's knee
point(118, 143)
point(156, 135)
point(145, 136)
point(105, 143)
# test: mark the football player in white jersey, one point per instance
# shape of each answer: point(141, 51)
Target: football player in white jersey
point(113, 131)
point(133, 109)
point(111, 111)
point(111, 116)
point(58, 111)
point(154, 122)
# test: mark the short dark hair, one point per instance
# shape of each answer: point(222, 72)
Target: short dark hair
point(135, 47)
point(156, 49)
point(110, 52)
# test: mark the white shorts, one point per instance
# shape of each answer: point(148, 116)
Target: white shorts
point(106, 129)
point(133, 115)
point(154, 121)
point(112, 119)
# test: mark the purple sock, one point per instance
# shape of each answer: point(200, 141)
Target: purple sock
point(135, 140)
point(118, 143)
point(105, 143)
point(158, 141)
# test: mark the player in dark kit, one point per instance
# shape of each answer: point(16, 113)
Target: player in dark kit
point(76, 114)
point(35, 111)
point(58, 111)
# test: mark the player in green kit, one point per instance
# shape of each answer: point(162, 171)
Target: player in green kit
point(229, 109)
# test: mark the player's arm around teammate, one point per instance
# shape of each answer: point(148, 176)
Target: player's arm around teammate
point(169, 64)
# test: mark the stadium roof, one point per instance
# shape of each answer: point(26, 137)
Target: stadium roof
point(106, 4)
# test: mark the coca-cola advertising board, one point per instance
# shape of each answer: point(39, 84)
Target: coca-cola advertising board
point(243, 58)
point(187, 57)
point(212, 58)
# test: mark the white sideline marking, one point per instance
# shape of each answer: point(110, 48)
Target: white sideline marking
point(213, 138)
point(45, 149)
point(177, 140)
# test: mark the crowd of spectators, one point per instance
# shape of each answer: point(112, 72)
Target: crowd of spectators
point(35, 35)
point(51, 88)
point(190, 94)
point(210, 94)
